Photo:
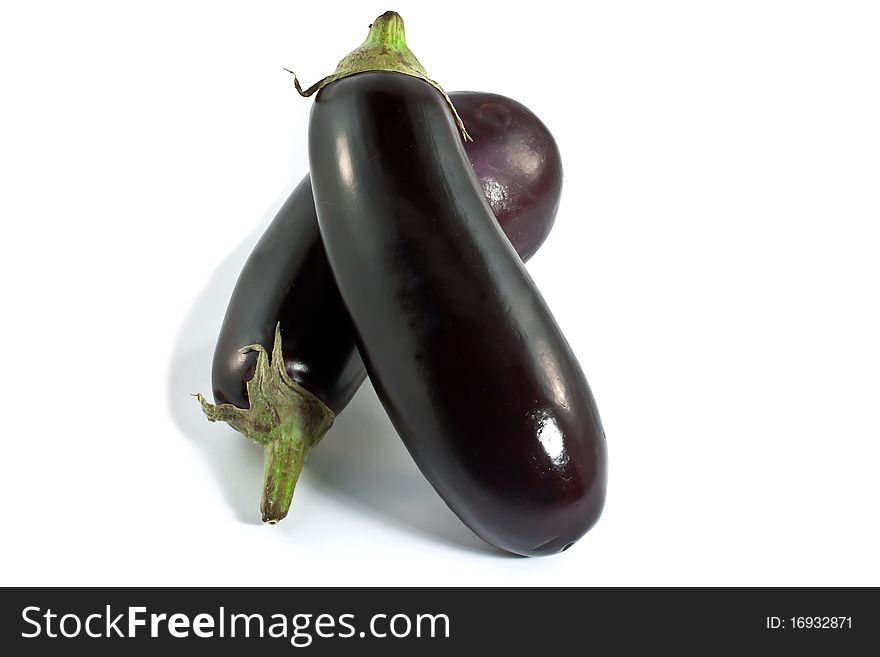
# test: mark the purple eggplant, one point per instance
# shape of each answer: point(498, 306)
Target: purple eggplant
point(517, 163)
point(464, 353)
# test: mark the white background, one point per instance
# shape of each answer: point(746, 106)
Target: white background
point(714, 265)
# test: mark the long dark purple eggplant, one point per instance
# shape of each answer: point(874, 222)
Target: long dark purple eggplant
point(466, 357)
point(287, 285)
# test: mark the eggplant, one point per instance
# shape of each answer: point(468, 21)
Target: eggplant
point(287, 285)
point(461, 347)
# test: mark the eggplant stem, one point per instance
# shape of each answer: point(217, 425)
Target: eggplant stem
point(286, 419)
point(384, 49)
point(283, 461)
point(311, 90)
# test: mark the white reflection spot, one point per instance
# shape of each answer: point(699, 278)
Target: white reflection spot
point(494, 191)
point(343, 158)
point(551, 440)
point(528, 161)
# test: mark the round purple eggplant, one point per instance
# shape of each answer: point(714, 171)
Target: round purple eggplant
point(517, 163)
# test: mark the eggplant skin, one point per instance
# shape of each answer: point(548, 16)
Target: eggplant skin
point(466, 357)
point(287, 278)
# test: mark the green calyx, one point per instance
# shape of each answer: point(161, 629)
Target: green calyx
point(284, 418)
point(385, 49)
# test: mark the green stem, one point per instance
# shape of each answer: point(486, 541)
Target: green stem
point(384, 49)
point(387, 30)
point(284, 418)
point(283, 461)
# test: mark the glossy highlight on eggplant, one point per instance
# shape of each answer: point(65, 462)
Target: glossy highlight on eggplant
point(463, 352)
